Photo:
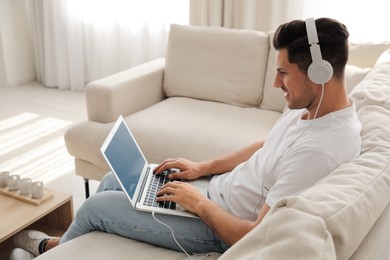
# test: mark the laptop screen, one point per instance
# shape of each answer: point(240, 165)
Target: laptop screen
point(125, 158)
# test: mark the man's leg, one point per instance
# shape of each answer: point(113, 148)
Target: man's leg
point(110, 211)
point(108, 182)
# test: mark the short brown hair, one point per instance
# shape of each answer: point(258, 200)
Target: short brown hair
point(333, 41)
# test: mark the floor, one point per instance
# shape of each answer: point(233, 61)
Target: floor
point(33, 120)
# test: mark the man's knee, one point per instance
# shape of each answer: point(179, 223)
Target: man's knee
point(109, 182)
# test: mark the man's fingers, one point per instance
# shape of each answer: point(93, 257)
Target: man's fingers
point(169, 188)
point(168, 164)
point(176, 175)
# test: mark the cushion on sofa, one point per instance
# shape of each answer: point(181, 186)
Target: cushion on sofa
point(272, 97)
point(375, 88)
point(353, 76)
point(365, 54)
point(102, 246)
point(376, 243)
point(195, 125)
point(216, 64)
point(286, 233)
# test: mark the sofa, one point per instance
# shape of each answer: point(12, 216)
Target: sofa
point(212, 94)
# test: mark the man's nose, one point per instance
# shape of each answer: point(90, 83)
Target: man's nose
point(277, 82)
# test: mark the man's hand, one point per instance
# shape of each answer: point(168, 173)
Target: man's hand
point(183, 194)
point(188, 170)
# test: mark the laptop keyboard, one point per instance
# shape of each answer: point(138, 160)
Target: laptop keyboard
point(156, 183)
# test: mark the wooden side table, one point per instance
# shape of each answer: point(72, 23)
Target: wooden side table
point(52, 217)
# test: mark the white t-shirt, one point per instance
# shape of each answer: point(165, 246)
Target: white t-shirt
point(296, 154)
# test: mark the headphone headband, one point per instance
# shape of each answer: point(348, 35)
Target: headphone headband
point(311, 30)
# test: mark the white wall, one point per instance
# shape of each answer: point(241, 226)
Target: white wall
point(16, 49)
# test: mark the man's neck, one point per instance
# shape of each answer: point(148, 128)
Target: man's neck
point(335, 98)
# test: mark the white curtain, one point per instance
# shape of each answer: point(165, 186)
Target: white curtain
point(366, 20)
point(78, 41)
point(263, 15)
point(16, 49)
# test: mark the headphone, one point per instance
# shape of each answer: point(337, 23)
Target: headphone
point(320, 71)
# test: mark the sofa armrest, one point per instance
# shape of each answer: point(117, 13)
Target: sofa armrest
point(125, 92)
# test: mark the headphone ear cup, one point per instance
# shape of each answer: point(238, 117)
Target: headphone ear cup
point(320, 72)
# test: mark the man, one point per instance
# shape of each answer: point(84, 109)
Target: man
point(318, 132)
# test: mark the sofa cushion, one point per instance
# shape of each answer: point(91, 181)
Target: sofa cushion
point(353, 76)
point(375, 88)
point(187, 127)
point(216, 64)
point(286, 233)
point(365, 54)
point(99, 245)
point(376, 244)
point(272, 97)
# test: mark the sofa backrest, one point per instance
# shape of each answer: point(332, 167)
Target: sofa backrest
point(216, 64)
point(238, 66)
point(365, 54)
point(272, 97)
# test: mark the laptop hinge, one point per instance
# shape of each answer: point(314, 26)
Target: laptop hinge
point(143, 185)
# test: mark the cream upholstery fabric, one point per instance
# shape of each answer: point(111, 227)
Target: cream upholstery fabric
point(103, 246)
point(196, 124)
point(232, 70)
point(376, 243)
point(92, 141)
point(286, 234)
point(125, 92)
point(353, 75)
point(375, 89)
point(366, 54)
point(272, 97)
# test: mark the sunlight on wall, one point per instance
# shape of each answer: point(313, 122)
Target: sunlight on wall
point(33, 146)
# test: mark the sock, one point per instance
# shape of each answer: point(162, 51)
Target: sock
point(41, 247)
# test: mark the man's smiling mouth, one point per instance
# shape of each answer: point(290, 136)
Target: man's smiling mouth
point(285, 91)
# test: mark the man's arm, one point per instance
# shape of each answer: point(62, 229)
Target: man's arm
point(229, 162)
point(228, 227)
point(192, 170)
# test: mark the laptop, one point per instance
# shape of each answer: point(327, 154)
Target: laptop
point(135, 174)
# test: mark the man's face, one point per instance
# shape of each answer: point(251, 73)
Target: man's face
point(296, 86)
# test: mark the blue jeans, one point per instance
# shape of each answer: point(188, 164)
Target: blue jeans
point(110, 211)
